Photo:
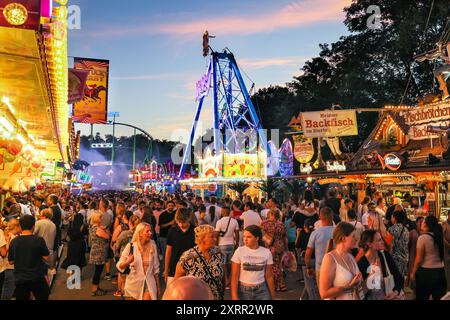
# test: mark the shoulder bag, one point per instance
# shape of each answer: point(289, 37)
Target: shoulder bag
point(223, 233)
point(127, 269)
point(208, 271)
point(389, 282)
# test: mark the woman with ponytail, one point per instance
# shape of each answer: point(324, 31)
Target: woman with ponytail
point(428, 272)
point(340, 278)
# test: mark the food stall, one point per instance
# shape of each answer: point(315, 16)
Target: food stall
point(34, 114)
point(407, 152)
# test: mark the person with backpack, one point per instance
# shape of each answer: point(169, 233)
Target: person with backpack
point(228, 229)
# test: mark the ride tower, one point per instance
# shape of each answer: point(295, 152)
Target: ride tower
point(239, 150)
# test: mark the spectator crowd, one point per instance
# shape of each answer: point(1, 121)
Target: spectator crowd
point(183, 246)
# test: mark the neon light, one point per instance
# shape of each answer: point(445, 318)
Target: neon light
point(21, 139)
point(6, 101)
point(46, 8)
point(6, 124)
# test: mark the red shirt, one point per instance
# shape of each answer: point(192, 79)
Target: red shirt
point(236, 214)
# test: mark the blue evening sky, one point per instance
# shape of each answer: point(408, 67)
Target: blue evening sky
point(155, 49)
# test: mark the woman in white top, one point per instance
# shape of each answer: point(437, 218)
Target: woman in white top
point(339, 274)
point(141, 256)
point(428, 272)
point(251, 270)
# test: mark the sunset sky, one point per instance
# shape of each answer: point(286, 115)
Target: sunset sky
point(155, 49)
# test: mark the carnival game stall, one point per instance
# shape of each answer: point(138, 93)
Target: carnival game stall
point(34, 126)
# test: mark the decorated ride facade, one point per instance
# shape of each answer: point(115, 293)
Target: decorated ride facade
point(35, 130)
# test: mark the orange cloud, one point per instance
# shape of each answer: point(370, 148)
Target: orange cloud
point(252, 64)
point(296, 14)
point(300, 13)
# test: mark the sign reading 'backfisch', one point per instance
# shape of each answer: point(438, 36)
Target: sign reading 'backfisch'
point(329, 124)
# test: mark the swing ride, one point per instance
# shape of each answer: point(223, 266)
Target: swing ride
point(240, 148)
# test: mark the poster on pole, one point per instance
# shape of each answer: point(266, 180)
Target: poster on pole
point(93, 108)
point(329, 123)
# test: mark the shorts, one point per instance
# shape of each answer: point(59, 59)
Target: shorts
point(227, 252)
point(110, 253)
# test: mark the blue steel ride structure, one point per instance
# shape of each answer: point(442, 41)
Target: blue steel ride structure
point(234, 112)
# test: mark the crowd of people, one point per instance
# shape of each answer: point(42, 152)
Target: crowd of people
point(159, 244)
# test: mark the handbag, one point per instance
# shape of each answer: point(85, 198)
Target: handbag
point(389, 282)
point(127, 269)
point(223, 233)
point(387, 238)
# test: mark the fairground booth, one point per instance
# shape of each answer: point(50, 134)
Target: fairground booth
point(406, 153)
point(36, 136)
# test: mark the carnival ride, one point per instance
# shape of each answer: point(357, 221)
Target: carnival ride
point(155, 177)
point(239, 150)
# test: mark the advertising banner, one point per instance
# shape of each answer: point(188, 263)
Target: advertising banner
point(419, 119)
point(303, 149)
point(77, 83)
point(332, 123)
point(93, 108)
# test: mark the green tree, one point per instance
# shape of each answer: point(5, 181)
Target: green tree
point(368, 68)
point(239, 187)
point(268, 187)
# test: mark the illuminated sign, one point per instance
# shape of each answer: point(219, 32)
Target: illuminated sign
point(102, 146)
point(306, 169)
point(204, 84)
point(392, 162)
point(336, 166)
point(24, 14)
point(336, 123)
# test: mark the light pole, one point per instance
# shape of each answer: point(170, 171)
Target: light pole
point(114, 115)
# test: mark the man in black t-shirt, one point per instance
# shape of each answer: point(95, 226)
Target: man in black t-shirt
point(166, 221)
point(180, 239)
point(29, 253)
point(333, 203)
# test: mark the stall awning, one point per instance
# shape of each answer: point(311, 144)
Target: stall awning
point(24, 83)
